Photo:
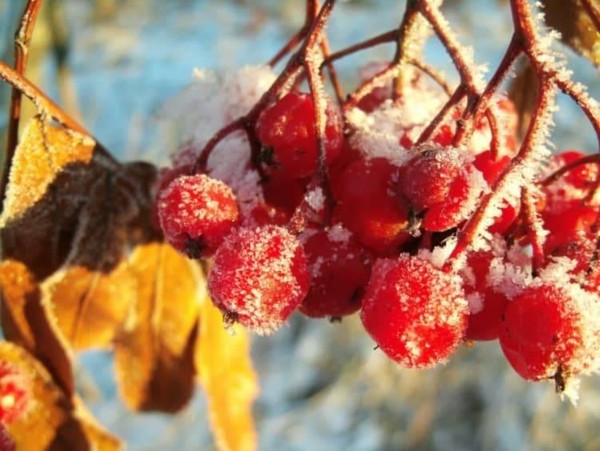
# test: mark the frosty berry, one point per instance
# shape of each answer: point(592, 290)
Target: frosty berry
point(196, 212)
point(259, 277)
point(415, 312)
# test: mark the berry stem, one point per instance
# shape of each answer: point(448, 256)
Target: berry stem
point(534, 228)
point(477, 223)
point(454, 100)
point(481, 108)
point(405, 48)
point(43, 103)
point(589, 159)
point(312, 7)
point(22, 40)
point(525, 29)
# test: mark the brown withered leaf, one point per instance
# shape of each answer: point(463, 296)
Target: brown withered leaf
point(154, 352)
point(51, 174)
point(223, 362)
point(26, 321)
point(90, 306)
point(523, 93)
point(53, 421)
point(69, 203)
point(579, 25)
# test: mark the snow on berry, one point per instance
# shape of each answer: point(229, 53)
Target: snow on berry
point(288, 127)
point(212, 100)
point(196, 212)
point(416, 313)
point(259, 277)
point(15, 393)
point(552, 328)
point(339, 270)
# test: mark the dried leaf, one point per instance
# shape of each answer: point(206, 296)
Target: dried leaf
point(69, 203)
point(25, 321)
point(579, 25)
point(51, 174)
point(90, 306)
point(53, 421)
point(225, 369)
point(523, 93)
point(154, 352)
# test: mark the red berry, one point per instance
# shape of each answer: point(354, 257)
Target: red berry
point(368, 206)
point(15, 393)
point(460, 202)
point(568, 226)
point(415, 312)
point(428, 177)
point(339, 268)
point(196, 212)
point(581, 177)
point(490, 168)
point(544, 331)
point(259, 277)
point(288, 127)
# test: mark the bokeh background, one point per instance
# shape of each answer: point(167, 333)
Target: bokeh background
point(114, 63)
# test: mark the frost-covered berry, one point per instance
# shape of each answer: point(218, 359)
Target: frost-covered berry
point(550, 329)
point(259, 277)
point(15, 393)
point(427, 178)
point(288, 127)
point(339, 269)
point(416, 313)
point(196, 212)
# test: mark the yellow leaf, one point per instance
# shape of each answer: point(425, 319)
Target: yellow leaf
point(26, 321)
point(225, 369)
point(154, 351)
point(90, 306)
point(52, 420)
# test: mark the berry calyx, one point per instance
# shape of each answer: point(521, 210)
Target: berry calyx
point(416, 313)
point(15, 393)
point(288, 127)
point(196, 212)
point(259, 277)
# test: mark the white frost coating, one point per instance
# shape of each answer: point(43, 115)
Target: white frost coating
point(315, 199)
point(508, 279)
point(476, 301)
point(212, 100)
point(523, 172)
point(338, 234)
point(438, 256)
point(378, 133)
point(255, 277)
point(571, 390)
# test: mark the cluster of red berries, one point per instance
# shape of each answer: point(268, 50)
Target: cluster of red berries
point(375, 234)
